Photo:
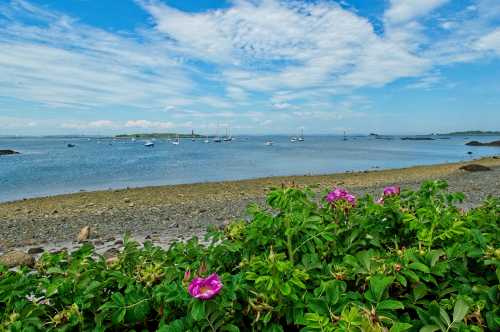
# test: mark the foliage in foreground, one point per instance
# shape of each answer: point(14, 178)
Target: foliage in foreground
point(412, 263)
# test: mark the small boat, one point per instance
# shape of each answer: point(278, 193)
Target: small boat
point(177, 141)
point(149, 144)
point(345, 138)
point(301, 137)
point(269, 143)
point(70, 145)
point(206, 140)
point(228, 137)
point(217, 138)
point(293, 139)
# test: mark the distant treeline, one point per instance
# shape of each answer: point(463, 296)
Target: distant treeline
point(473, 132)
point(159, 135)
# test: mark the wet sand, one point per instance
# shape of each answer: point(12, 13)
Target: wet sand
point(167, 213)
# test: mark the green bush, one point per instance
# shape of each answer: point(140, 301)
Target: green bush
point(415, 262)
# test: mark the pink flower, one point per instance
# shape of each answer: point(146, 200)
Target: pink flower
point(205, 288)
point(340, 194)
point(391, 191)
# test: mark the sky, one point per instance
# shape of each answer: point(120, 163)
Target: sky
point(256, 66)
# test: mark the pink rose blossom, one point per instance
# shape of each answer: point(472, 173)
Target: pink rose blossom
point(340, 194)
point(391, 191)
point(205, 288)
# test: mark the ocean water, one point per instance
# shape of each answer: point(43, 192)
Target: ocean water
point(46, 166)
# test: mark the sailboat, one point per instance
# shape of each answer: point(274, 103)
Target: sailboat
point(177, 141)
point(228, 137)
point(206, 140)
point(192, 136)
point(269, 143)
point(301, 137)
point(217, 138)
point(149, 144)
point(345, 138)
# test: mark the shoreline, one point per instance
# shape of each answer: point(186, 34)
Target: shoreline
point(179, 211)
point(439, 168)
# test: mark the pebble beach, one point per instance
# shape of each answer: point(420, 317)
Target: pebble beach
point(170, 213)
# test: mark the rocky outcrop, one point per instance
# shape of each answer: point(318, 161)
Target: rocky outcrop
point(476, 143)
point(7, 152)
point(475, 168)
point(17, 258)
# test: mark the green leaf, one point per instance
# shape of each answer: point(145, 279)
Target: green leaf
point(429, 328)
point(230, 328)
point(460, 310)
point(198, 310)
point(378, 284)
point(118, 316)
point(420, 267)
point(286, 289)
point(390, 305)
point(400, 327)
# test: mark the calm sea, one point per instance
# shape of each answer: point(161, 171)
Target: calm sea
point(47, 166)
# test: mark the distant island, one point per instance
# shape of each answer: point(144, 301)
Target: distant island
point(471, 133)
point(159, 136)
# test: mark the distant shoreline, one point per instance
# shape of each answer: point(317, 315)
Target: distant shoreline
point(197, 135)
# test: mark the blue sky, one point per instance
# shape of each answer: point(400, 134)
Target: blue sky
point(257, 66)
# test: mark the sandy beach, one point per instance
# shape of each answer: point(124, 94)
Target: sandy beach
point(168, 213)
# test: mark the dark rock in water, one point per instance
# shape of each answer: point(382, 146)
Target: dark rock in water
point(417, 138)
point(7, 152)
point(476, 143)
point(475, 168)
point(469, 152)
point(17, 258)
point(36, 250)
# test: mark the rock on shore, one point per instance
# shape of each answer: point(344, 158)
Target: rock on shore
point(7, 152)
point(17, 258)
point(476, 143)
point(475, 168)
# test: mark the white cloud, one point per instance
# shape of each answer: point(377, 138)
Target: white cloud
point(490, 42)
point(407, 10)
point(60, 62)
point(271, 45)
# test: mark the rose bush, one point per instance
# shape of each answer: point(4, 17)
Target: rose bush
point(333, 262)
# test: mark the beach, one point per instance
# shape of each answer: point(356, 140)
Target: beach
point(164, 214)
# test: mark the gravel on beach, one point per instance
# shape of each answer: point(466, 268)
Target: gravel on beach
point(168, 213)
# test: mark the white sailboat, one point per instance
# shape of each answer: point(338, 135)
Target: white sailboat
point(206, 140)
point(228, 137)
point(177, 141)
point(301, 137)
point(217, 138)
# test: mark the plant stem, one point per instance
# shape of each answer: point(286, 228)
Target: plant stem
point(289, 240)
